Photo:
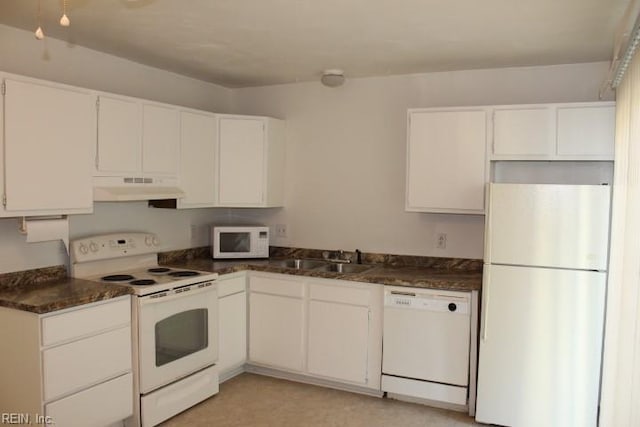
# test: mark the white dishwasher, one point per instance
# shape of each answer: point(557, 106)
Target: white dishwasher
point(426, 343)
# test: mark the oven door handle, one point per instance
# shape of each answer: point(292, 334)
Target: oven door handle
point(171, 295)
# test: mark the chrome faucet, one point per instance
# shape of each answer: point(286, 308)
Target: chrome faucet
point(338, 256)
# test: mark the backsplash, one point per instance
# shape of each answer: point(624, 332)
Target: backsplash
point(436, 263)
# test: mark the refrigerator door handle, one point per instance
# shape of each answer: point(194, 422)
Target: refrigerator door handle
point(485, 303)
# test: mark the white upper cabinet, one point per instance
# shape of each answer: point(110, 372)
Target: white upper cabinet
point(119, 136)
point(49, 134)
point(446, 152)
point(577, 131)
point(199, 133)
point(136, 138)
point(523, 132)
point(160, 139)
point(251, 158)
point(586, 132)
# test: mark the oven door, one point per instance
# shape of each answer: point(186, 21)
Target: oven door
point(178, 335)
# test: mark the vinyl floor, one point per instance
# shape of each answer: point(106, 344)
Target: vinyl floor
point(255, 400)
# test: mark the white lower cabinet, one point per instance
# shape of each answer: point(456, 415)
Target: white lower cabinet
point(73, 365)
point(102, 405)
point(338, 335)
point(326, 329)
point(232, 324)
point(276, 321)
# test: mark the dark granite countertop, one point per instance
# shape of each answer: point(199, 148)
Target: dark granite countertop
point(46, 290)
point(49, 289)
point(411, 275)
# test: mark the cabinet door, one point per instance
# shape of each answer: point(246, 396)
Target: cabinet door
point(241, 161)
point(446, 161)
point(276, 331)
point(586, 132)
point(101, 405)
point(232, 335)
point(160, 140)
point(119, 136)
point(49, 137)
point(338, 341)
point(523, 133)
point(80, 364)
point(197, 159)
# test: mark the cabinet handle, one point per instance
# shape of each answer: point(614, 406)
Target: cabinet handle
point(493, 132)
point(97, 159)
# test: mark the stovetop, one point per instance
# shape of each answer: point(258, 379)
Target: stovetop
point(154, 279)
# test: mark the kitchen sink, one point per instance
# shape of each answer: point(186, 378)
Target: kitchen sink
point(345, 268)
point(298, 264)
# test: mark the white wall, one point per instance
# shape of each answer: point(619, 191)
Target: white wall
point(346, 152)
point(54, 60)
point(50, 59)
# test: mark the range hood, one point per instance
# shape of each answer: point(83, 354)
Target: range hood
point(135, 192)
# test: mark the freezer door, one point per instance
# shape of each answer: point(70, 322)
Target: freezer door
point(564, 226)
point(540, 347)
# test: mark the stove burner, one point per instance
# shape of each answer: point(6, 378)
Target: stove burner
point(118, 278)
point(184, 273)
point(158, 270)
point(143, 282)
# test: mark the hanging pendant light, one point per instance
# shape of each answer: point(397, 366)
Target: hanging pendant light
point(39, 33)
point(64, 20)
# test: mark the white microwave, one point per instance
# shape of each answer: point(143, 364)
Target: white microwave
point(241, 241)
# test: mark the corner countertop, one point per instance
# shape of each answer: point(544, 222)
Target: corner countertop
point(49, 289)
point(410, 276)
point(46, 290)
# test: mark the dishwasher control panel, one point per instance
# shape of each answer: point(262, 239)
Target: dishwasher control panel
point(439, 302)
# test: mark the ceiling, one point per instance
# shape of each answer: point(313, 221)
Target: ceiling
point(239, 43)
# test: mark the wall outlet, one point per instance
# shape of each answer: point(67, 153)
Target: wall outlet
point(281, 230)
point(441, 240)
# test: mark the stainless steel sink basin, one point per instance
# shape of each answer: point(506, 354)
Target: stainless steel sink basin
point(345, 268)
point(298, 264)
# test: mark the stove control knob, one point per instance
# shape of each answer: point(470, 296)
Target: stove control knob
point(156, 242)
point(83, 249)
point(148, 240)
point(93, 246)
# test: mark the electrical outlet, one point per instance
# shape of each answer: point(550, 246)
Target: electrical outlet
point(194, 233)
point(281, 230)
point(441, 240)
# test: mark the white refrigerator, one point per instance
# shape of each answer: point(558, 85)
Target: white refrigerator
point(543, 301)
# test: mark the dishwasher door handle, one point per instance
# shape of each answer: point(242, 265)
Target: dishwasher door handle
point(406, 294)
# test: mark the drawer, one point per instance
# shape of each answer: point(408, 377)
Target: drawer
point(70, 367)
point(339, 293)
point(102, 405)
point(231, 286)
point(86, 321)
point(277, 286)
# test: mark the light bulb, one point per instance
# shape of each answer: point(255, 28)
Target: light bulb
point(64, 21)
point(39, 33)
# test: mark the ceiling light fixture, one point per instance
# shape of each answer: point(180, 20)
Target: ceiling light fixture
point(64, 19)
point(332, 77)
point(39, 33)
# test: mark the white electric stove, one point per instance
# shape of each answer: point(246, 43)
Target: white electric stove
point(174, 324)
